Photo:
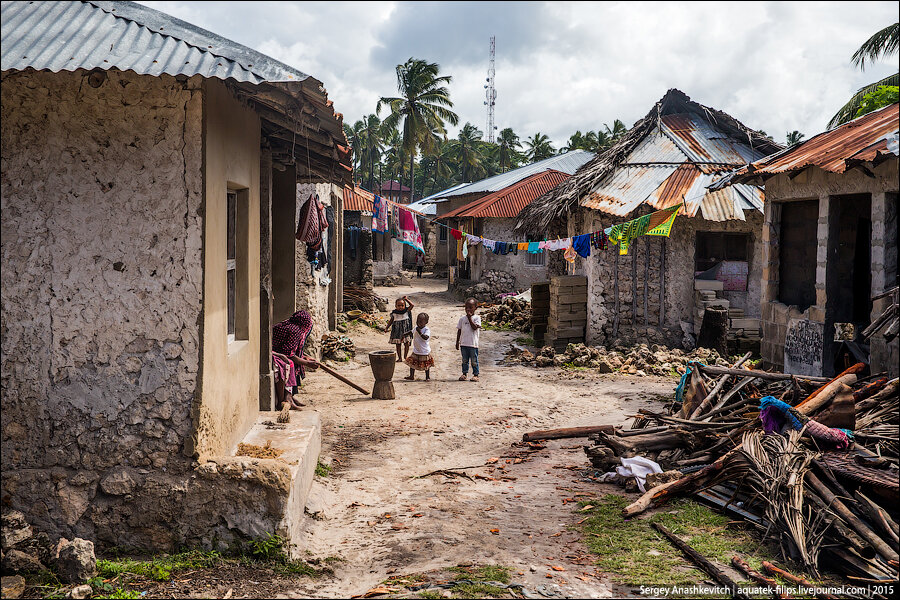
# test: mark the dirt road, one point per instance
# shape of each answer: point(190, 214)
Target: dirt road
point(383, 519)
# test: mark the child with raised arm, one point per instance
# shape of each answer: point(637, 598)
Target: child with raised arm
point(421, 359)
point(400, 326)
point(467, 330)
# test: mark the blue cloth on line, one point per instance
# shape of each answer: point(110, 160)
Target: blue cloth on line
point(534, 247)
point(582, 245)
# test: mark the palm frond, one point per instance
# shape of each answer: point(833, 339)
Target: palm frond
point(881, 45)
point(848, 111)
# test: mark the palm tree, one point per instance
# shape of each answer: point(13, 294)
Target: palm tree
point(604, 141)
point(576, 142)
point(393, 155)
point(883, 44)
point(508, 145)
point(794, 137)
point(355, 141)
point(538, 147)
point(423, 105)
point(371, 138)
point(468, 152)
point(617, 131)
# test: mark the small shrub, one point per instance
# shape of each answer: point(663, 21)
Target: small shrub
point(268, 548)
point(322, 470)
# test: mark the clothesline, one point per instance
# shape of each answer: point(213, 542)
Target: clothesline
point(658, 223)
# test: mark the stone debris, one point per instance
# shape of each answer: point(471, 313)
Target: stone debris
point(12, 587)
point(254, 451)
point(511, 313)
point(80, 591)
point(640, 360)
point(13, 529)
point(75, 560)
point(16, 561)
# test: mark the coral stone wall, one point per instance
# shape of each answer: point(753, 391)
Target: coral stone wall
point(516, 266)
point(101, 300)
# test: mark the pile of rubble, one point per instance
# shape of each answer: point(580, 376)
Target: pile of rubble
point(640, 360)
point(392, 280)
point(337, 347)
point(810, 462)
point(25, 551)
point(511, 313)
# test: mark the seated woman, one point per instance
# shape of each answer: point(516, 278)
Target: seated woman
point(288, 339)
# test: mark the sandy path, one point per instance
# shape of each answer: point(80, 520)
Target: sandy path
point(377, 447)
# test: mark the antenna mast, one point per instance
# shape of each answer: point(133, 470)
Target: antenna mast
point(490, 95)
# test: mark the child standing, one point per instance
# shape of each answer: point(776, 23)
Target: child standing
point(467, 339)
point(400, 326)
point(421, 359)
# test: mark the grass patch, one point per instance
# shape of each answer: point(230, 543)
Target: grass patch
point(497, 326)
point(478, 590)
point(322, 470)
point(525, 340)
point(634, 554)
point(430, 595)
point(485, 573)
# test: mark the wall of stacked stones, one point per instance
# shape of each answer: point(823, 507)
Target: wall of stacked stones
point(638, 275)
point(312, 286)
point(101, 300)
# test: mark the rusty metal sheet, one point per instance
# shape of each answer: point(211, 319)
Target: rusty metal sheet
point(358, 199)
point(703, 144)
point(508, 202)
point(627, 188)
point(831, 150)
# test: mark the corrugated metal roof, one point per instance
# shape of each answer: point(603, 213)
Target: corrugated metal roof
point(568, 163)
point(832, 150)
point(626, 188)
point(68, 36)
point(356, 198)
point(508, 202)
point(702, 143)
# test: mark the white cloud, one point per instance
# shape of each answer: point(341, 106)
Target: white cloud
point(775, 66)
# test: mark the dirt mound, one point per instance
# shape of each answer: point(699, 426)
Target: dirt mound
point(511, 313)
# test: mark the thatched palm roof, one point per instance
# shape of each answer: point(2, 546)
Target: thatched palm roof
point(556, 203)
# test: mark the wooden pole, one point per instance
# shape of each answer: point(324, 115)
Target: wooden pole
point(841, 510)
point(714, 370)
point(720, 385)
point(634, 317)
point(741, 565)
point(773, 570)
point(340, 377)
point(646, 279)
point(662, 282)
point(567, 432)
point(701, 561)
point(616, 293)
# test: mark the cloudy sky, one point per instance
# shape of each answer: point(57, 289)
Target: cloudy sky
point(776, 66)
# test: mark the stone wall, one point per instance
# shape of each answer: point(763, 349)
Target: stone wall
point(817, 184)
point(636, 314)
point(312, 291)
point(102, 289)
point(516, 266)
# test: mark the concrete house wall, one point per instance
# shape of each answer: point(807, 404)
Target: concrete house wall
point(230, 389)
point(514, 265)
point(825, 189)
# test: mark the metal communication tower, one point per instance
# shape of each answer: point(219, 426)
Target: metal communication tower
point(490, 95)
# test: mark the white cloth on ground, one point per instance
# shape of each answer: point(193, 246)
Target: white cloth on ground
point(637, 467)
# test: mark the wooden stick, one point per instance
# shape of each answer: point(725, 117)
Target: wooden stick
point(567, 432)
point(821, 396)
point(643, 503)
point(707, 402)
point(701, 561)
point(870, 389)
point(840, 509)
point(342, 378)
point(879, 517)
point(773, 570)
point(741, 565)
point(714, 370)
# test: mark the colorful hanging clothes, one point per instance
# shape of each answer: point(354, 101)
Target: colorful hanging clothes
point(462, 250)
point(473, 239)
point(456, 233)
point(661, 221)
point(582, 245)
point(599, 241)
point(522, 246)
point(775, 413)
point(311, 222)
point(488, 244)
point(570, 254)
point(379, 214)
point(534, 247)
point(408, 229)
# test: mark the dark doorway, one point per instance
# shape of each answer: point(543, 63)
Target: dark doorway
point(848, 272)
point(284, 223)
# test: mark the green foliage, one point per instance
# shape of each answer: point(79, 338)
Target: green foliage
point(431, 595)
point(322, 470)
point(884, 95)
point(538, 147)
point(525, 340)
point(270, 547)
point(122, 594)
point(882, 44)
point(478, 590)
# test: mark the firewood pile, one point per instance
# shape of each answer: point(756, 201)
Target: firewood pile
point(810, 462)
point(337, 347)
point(511, 313)
point(360, 298)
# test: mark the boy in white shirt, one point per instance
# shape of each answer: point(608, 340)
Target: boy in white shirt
point(420, 359)
point(467, 330)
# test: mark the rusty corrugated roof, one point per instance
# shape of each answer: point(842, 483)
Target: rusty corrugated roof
point(356, 198)
point(832, 150)
point(508, 202)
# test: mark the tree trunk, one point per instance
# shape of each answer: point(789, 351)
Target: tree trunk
point(713, 330)
point(412, 176)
